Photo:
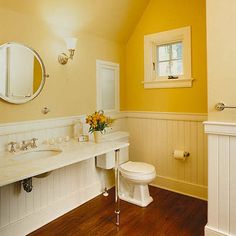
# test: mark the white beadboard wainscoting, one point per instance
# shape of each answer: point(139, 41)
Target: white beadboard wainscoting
point(222, 179)
point(53, 196)
point(153, 138)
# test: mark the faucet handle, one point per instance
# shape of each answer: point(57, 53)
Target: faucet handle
point(33, 142)
point(12, 146)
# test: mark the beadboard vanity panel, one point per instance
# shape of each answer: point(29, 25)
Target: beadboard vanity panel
point(222, 176)
point(153, 138)
point(63, 190)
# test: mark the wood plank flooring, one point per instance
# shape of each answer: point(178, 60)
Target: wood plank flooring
point(170, 214)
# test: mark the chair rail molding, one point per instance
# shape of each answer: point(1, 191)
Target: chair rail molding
point(220, 128)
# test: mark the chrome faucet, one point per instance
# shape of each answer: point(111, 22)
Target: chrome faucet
point(24, 145)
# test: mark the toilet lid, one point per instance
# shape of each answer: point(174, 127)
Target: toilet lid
point(137, 167)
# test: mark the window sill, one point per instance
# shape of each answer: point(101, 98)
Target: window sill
point(168, 83)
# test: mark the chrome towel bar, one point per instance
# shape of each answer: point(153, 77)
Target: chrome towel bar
point(221, 106)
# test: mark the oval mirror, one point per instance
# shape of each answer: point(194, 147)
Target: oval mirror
point(22, 73)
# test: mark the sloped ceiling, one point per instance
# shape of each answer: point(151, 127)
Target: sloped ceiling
point(111, 19)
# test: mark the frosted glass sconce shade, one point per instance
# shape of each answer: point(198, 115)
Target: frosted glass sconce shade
point(71, 43)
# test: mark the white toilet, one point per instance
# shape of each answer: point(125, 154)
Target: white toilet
point(134, 176)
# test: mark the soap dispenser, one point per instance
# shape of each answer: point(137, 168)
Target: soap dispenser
point(78, 129)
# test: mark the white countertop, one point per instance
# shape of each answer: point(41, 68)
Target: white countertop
point(13, 170)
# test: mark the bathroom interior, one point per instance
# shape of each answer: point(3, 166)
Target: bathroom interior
point(163, 71)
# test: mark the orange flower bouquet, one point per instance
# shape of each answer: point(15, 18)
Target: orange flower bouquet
point(98, 121)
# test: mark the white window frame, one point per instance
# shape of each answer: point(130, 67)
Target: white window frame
point(151, 41)
point(100, 65)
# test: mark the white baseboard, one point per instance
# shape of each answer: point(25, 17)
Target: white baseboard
point(51, 212)
point(213, 232)
point(189, 189)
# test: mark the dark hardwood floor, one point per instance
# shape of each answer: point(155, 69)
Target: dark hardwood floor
point(170, 214)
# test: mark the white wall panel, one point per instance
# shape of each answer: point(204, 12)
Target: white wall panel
point(232, 186)
point(223, 183)
point(222, 179)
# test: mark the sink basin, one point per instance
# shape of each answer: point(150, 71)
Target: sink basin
point(37, 153)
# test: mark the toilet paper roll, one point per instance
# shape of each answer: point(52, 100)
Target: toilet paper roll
point(180, 154)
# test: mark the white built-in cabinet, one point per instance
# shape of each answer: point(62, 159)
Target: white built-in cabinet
point(107, 86)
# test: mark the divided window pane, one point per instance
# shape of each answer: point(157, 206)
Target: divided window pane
point(176, 51)
point(164, 68)
point(163, 53)
point(169, 59)
point(177, 67)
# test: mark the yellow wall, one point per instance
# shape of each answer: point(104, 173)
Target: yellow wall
point(71, 89)
point(69, 86)
point(161, 16)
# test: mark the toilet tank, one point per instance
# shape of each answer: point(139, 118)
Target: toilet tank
point(107, 161)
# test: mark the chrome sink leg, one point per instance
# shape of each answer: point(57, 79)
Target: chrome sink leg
point(105, 192)
point(117, 199)
point(27, 184)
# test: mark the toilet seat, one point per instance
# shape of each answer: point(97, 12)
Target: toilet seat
point(137, 167)
point(138, 171)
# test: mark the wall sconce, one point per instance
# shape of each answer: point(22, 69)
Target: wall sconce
point(71, 45)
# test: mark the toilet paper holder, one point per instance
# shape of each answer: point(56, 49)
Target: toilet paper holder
point(186, 154)
point(179, 154)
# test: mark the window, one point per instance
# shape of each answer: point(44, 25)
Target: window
point(107, 86)
point(167, 59)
